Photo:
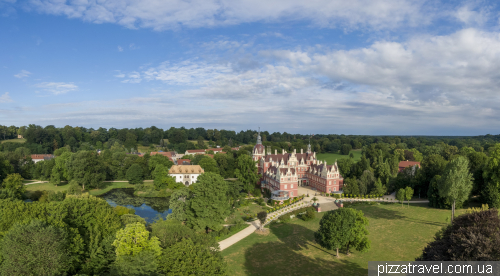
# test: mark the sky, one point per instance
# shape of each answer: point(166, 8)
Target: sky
point(368, 67)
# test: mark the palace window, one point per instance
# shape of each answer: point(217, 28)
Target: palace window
point(286, 187)
point(291, 186)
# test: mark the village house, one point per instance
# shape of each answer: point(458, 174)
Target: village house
point(405, 164)
point(185, 174)
point(41, 157)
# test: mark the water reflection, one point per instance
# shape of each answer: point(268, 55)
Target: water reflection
point(146, 207)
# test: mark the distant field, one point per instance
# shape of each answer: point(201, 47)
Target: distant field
point(330, 157)
point(22, 140)
point(108, 186)
point(196, 142)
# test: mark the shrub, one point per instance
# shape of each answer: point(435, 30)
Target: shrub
point(74, 188)
point(285, 218)
point(309, 215)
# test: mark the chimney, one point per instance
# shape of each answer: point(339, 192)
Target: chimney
point(275, 151)
point(301, 150)
point(282, 151)
point(294, 151)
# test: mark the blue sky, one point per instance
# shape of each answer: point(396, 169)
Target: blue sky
point(347, 67)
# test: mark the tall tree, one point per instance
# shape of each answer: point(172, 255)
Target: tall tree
point(491, 177)
point(334, 229)
point(208, 164)
point(208, 207)
point(472, 237)
point(179, 204)
point(133, 239)
point(456, 183)
point(189, 258)
point(86, 168)
point(246, 172)
point(35, 249)
point(400, 195)
point(13, 186)
point(408, 194)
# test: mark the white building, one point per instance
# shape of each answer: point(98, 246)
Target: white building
point(186, 174)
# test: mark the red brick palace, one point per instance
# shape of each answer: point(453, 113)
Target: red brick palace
point(284, 173)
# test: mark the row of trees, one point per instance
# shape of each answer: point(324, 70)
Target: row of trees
point(48, 139)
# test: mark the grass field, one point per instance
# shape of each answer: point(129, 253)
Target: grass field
point(22, 140)
point(331, 157)
point(108, 186)
point(396, 234)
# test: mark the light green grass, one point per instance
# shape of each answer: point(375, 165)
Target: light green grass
point(196, 142)
point(15, 140)
point(108, 186)
point(331, 157)
point(396, 234)
point(48, 187)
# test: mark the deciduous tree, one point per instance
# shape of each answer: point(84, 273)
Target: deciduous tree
point(456, 183)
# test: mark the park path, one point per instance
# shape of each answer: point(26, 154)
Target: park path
point(254, 225)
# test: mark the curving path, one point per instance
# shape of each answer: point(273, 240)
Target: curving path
point(254, 225)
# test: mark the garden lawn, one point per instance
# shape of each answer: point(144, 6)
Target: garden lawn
point(108, 186)
point(331, 157)
point(396, 234)
point(241, 212)
point(15, 140)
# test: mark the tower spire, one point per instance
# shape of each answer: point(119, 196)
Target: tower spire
point(259, 140)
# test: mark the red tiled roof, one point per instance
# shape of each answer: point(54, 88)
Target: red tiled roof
point(195, 151)
point(405, 164)
point(214, 150)
point(167, 154)
point(40, 156)
point(181, 161)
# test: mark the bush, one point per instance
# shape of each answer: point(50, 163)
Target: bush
point(74, 188)
point(285, 218)
point(309, 215)
point(257, 192)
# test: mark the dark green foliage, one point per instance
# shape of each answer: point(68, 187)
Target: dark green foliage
point(13, 187)
point(209, 165)
point(189, 258)
point(491, 195)
point(141, 264)
point(309, 215)
point(74, 188)
point(246, 172)
point(35, 249)
point(86, 168)
point(471, 237)
point(208, 207)
point(345, 149)
point(262, 216)
point(135, 174)
point(131, 218)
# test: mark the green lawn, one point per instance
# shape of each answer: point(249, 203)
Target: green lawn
point(22, 140)
point(242, 212)
point(48, 187)
point(396, 234)
point(108, 186)
point(331, 157)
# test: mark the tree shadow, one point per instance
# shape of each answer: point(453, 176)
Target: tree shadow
point(296, 253)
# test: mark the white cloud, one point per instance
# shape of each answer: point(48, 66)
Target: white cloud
point(424, 84)
point(159, 15)
point(57, 88)
point(23, 74)
point(120, 49)
point(5, 98)
point(472, 16)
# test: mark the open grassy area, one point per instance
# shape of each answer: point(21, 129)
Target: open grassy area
point(48, 187)
point(15, 140)
point(396, 234)
point(108, 186)
point(243, 212)
point(331, 157)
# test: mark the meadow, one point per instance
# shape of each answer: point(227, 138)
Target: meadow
point(396, 234)
point(15, 140)
point(331, 157)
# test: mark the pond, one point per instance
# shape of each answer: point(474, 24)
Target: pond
point(148, 208)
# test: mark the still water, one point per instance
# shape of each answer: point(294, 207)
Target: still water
point(149, 208)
